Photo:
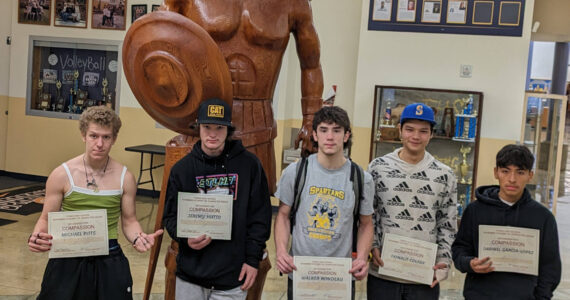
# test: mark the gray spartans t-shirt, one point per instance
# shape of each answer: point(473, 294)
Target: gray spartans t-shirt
point(325, 216)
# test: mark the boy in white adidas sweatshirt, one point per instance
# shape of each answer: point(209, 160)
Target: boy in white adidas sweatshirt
point(416, 197)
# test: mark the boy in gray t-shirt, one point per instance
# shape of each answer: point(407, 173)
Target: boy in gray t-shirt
point(324, 218)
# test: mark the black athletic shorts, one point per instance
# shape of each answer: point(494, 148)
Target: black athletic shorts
point(88, 278)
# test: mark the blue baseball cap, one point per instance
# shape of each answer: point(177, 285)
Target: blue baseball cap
point(417, 111)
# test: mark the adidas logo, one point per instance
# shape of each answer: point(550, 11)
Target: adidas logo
point(404, 215)
point(403, 187)
point(426, 218)
point(379, 162)
point(417, 228)
point(392, 224)
point(434, 166)
point(443, 241)
point(395, 174)
point(441, 179)
point(384, 213)
point(447, 203)
point(426, 190)
point(420, 175)
point(446, 255)
point(443, 194)
point(418, 203)
point(381, 187)
point(440, 215)
point(447, 225)
point(395, 202)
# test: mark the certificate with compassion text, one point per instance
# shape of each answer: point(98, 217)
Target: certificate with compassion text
point(318, 278)
point(511, 249)
point(407, 258)
point(78, 233)
point(209, 214)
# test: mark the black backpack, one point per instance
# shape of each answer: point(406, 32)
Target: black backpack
point(357, 179)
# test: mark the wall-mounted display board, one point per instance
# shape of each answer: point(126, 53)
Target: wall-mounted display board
point(483, 17)
point(65, 76)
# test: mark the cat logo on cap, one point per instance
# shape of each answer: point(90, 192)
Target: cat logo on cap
point(216, 111)
point(419, 110)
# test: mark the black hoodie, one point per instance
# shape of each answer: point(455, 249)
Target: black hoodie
point(218, 265)
point(526, 213)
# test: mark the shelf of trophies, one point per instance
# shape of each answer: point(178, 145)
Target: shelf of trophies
point(72, 101)
point(455, 140)
point(542, 131)
point(66, 76)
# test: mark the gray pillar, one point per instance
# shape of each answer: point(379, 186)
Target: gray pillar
point(559, 69)
point(559, 75)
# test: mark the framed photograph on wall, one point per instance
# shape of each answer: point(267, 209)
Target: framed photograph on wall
point(71, 13)
point(37, 12)
point(109, 14)
point(137, 11)
point(155, 7)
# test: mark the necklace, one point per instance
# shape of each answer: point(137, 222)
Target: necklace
point(92, 183)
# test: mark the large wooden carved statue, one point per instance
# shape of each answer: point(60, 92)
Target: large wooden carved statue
point(193, 50)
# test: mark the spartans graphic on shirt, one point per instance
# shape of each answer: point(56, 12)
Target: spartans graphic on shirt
point(324, 214)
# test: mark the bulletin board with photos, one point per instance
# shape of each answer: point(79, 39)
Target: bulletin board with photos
point(66, 76)
point(455, 140)
point(481, 17)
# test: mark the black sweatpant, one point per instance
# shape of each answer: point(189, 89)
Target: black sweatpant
point(88, 278)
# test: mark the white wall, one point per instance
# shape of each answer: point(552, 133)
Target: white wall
point(433, 61)
point(5, 31)
point(338, 25)
point(543, 61)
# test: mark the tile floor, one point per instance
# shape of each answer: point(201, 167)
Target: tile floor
point(21, 271)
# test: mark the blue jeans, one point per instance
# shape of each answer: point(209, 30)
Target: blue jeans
point(378, 288)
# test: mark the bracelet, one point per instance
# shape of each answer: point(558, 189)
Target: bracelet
point(135, 240)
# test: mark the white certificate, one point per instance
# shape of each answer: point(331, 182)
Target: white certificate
point(382, 10)
point(456, 12)
point(318, 278)
point(406, 11)
point(407, 258)
point(78, 233)
point(209, 214)
point(511, 249)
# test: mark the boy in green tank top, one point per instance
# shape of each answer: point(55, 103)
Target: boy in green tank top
point(92, 180)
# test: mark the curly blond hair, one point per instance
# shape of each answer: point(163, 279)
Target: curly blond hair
point(102, 116)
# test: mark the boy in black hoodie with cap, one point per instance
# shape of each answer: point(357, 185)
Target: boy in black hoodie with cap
point(509, 204)
point(219, 269)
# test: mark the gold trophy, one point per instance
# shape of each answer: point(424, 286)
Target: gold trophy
point(464, 166)
point(105, 83)
point(40, 92)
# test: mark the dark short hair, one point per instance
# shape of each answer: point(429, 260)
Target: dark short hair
point(332, 115)
point(431, 125)
point(515, 155)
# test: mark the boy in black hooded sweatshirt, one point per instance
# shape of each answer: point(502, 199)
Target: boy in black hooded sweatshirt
point(509, 204)
point(219, 269)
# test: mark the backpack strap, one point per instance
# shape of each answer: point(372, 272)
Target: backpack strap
point(357, 179)
point(298, 188)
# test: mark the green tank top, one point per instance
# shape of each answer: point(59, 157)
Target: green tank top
point(78, 198)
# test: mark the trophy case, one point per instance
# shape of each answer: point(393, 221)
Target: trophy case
point(455, 140)
point(65, 76)
point(542, 131)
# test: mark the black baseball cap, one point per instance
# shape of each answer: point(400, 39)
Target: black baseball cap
point(215, 111)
